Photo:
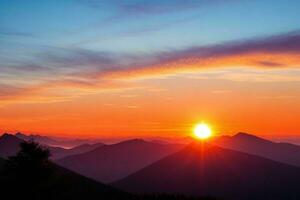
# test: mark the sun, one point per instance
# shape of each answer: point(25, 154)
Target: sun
point(202, 131)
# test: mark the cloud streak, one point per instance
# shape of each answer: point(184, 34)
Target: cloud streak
point(128, 10)
point(141, 7)
point(86, 70)
point(271, 52)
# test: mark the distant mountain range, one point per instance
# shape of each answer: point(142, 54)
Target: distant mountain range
point(49, 141)
point(281, 152)
point(9, 145)
point(242, 166)
point(58, 152)
point(112, 162)
point(204, 169)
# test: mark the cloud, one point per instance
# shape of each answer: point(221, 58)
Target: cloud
point(7, 32)
point(141, 7)
point(270, 52)
point(87, 71)
point(167, 6)
point(129, 10)
point(58, 91)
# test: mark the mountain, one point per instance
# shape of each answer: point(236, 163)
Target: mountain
point(38, 138)
point(281, 152)
point(112, 162)
point(57, 142)
point(58, 152)
point(31, 175)
point(9, 145)
point(203, 169)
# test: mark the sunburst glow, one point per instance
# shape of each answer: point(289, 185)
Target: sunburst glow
point(202, 131)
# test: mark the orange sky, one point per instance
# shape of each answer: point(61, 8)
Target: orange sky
point(251, 86)
point(258, 101)
point(115, 69)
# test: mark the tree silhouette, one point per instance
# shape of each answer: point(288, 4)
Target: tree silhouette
point(29, 168)
point(30, 160)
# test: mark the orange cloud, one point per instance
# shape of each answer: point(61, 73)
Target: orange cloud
point(255, 59)
point(84, 72)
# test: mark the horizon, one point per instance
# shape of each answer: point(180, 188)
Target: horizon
point(91, 69)
point(156, 139)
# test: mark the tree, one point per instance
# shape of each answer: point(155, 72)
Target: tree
point(29, 168)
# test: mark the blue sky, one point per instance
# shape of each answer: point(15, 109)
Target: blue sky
point(139, 26)
point(59, 34)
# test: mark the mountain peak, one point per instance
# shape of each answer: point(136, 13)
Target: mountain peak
point(246, 137)
point(7, 136)
point(242, 135)
point(10, 139)
point(214, 173)
point(135, 141)
point(20, 134)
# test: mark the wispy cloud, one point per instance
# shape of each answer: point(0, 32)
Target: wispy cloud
point(86, 70)
point(270, 52)
point(9, 33)
point(128, 10)
point(142, 7)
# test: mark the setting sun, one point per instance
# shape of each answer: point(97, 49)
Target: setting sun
point(202, 131)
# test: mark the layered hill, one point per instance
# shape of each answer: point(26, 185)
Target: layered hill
point(58, 142)
point(203, 169)
point(10, 145)
point(58, 152)
point(112, 162)
point(281, 152)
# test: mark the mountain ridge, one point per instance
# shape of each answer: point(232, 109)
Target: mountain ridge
point(282, 152)
point(211, 170)
point(112, 162)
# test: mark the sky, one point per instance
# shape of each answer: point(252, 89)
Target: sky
point(136, 68)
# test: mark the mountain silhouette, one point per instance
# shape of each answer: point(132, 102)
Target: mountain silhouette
point(281, 152)
point(57, 142)
point(112, 162)
point(58, 152)
point(30, 175)
point(204, 169)
point(10, 145)
point(38, 138)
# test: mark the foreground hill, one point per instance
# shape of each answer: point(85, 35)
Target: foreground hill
point(64, 184)
point(203, 169)
point(113, 162)
point(2, 161)
point(10, 145)
point(30, 175)
point(281, 152)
